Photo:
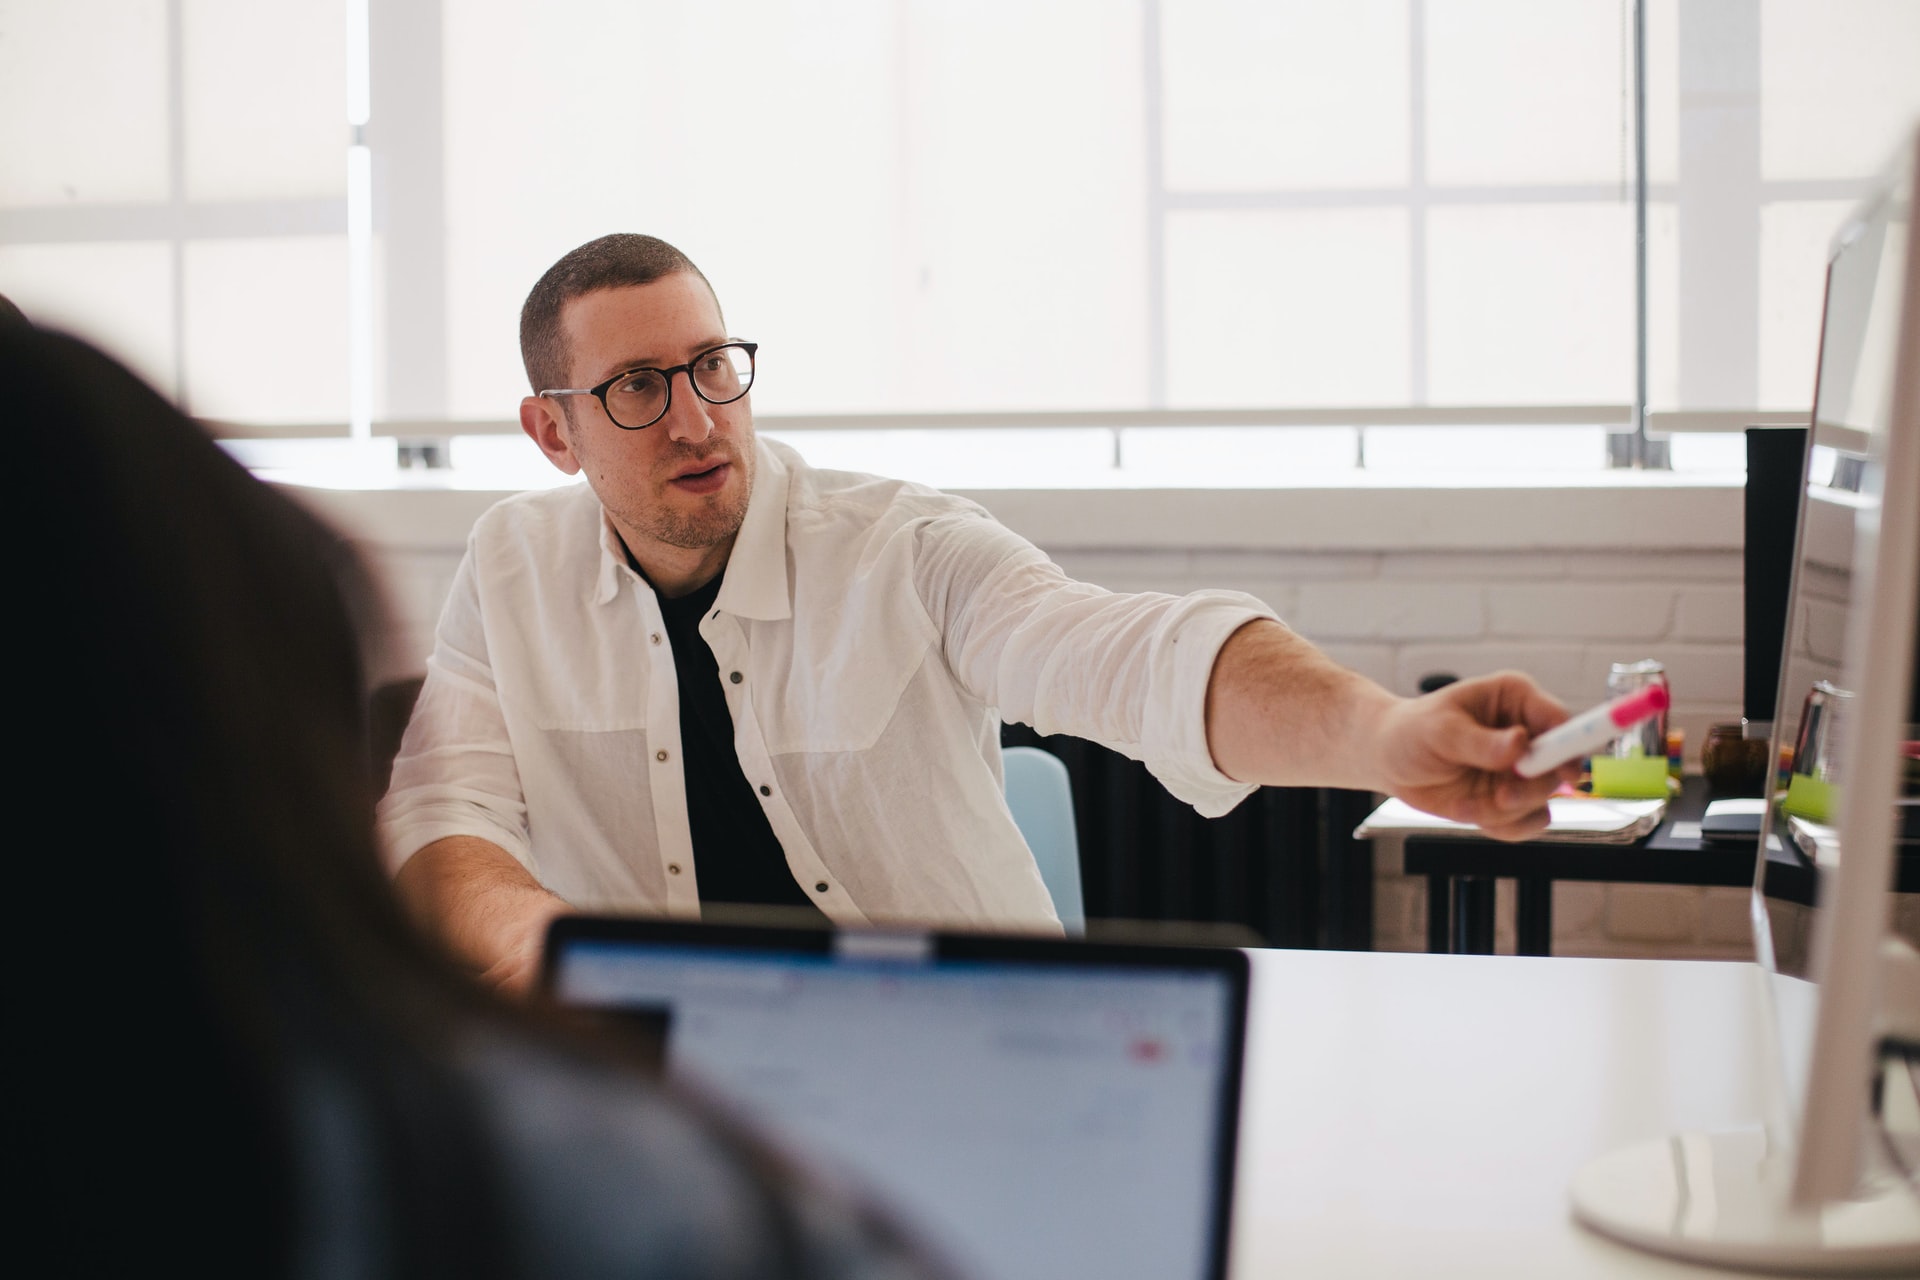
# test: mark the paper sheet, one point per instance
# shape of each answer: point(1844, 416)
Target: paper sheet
point(1572, 819)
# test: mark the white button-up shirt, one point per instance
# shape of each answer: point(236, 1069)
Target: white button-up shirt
point(871, 636)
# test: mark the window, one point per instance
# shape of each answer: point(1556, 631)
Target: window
point(173, 187)
point(1015, 208)
point(1786, 110)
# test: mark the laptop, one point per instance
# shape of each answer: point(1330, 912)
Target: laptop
point(1032, 1107)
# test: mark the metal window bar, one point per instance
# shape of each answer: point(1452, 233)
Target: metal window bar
point(426, 443)
point(1561, 415)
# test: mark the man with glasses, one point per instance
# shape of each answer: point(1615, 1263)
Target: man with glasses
point(714, 674)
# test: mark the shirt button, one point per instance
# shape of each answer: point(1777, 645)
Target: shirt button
point(655, 637)
point(673, 868)
point(659, 755)
point(735, 676)
point(766, 791)
point(821, 887)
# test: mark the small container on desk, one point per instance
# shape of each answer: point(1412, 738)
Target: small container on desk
point(1735, 765)
point(1818, 770)
point(1637, 764)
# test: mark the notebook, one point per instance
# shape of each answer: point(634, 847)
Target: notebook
point(1571, 821)
point(1033, 1107)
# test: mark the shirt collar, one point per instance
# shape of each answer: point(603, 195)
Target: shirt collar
point(756, 585)
point(756, 581)
point(613, 558)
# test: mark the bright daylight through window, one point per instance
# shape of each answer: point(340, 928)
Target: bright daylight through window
point(1391, 233)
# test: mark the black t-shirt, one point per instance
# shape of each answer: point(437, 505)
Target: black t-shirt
point(737, 856)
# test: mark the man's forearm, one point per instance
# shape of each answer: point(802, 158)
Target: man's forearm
point(485, 907)
point(1281, 713)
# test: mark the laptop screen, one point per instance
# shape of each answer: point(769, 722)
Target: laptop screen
point(1034, 1108)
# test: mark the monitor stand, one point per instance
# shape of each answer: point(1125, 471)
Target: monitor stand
point(1720, 1199)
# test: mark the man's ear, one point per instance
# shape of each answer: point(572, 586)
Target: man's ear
point(540, 418)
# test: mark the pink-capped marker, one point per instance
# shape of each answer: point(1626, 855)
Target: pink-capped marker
point(1590, 730)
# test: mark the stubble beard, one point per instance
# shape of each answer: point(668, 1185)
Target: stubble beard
point(718, 516)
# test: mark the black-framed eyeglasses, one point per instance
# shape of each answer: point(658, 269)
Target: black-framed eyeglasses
point(636, 398)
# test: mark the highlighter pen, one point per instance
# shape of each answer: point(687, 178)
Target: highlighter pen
point(1590, 730)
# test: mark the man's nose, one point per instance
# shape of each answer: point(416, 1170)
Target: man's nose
point(688, 416)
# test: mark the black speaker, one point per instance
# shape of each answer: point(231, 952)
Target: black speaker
point(1776, 475)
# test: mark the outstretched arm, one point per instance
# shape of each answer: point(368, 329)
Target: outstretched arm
point(1281, 713)
point(486, 908)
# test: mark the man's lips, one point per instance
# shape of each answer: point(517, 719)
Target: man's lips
point(703, 476)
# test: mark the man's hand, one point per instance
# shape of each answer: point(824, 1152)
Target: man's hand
point(483, 906)
point(1452, 752)
point(1281, 713)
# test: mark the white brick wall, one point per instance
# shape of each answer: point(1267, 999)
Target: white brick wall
point(1399, 616)
point(1547, 603)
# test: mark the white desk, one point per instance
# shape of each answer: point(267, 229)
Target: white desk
point(1423, 1115)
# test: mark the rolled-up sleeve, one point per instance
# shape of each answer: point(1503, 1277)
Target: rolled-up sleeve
point(1127, 670)
point(455, 773)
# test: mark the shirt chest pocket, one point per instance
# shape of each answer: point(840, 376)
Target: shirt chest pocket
point(605, 684)
point(840, 691)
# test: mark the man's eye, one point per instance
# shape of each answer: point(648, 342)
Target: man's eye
point(637, 383)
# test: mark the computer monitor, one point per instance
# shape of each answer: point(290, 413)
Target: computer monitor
point(1869, 383)
point(1807, 1189)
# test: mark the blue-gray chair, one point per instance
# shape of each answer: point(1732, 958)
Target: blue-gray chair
point(1040, 793)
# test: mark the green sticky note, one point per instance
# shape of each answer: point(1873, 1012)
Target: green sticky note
point(1634, 777)
point(1811, 798)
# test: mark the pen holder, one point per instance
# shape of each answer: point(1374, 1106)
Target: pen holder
point(1813, 788)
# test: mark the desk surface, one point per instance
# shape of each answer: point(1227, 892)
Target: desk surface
point(1424, 1114)
point(1664, 857)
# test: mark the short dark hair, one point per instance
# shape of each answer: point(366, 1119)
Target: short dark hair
point(611, 262)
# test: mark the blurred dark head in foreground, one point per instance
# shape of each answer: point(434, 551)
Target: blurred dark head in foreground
point(205, 910)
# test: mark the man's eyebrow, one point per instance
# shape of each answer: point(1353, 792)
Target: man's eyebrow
point(618, 367)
